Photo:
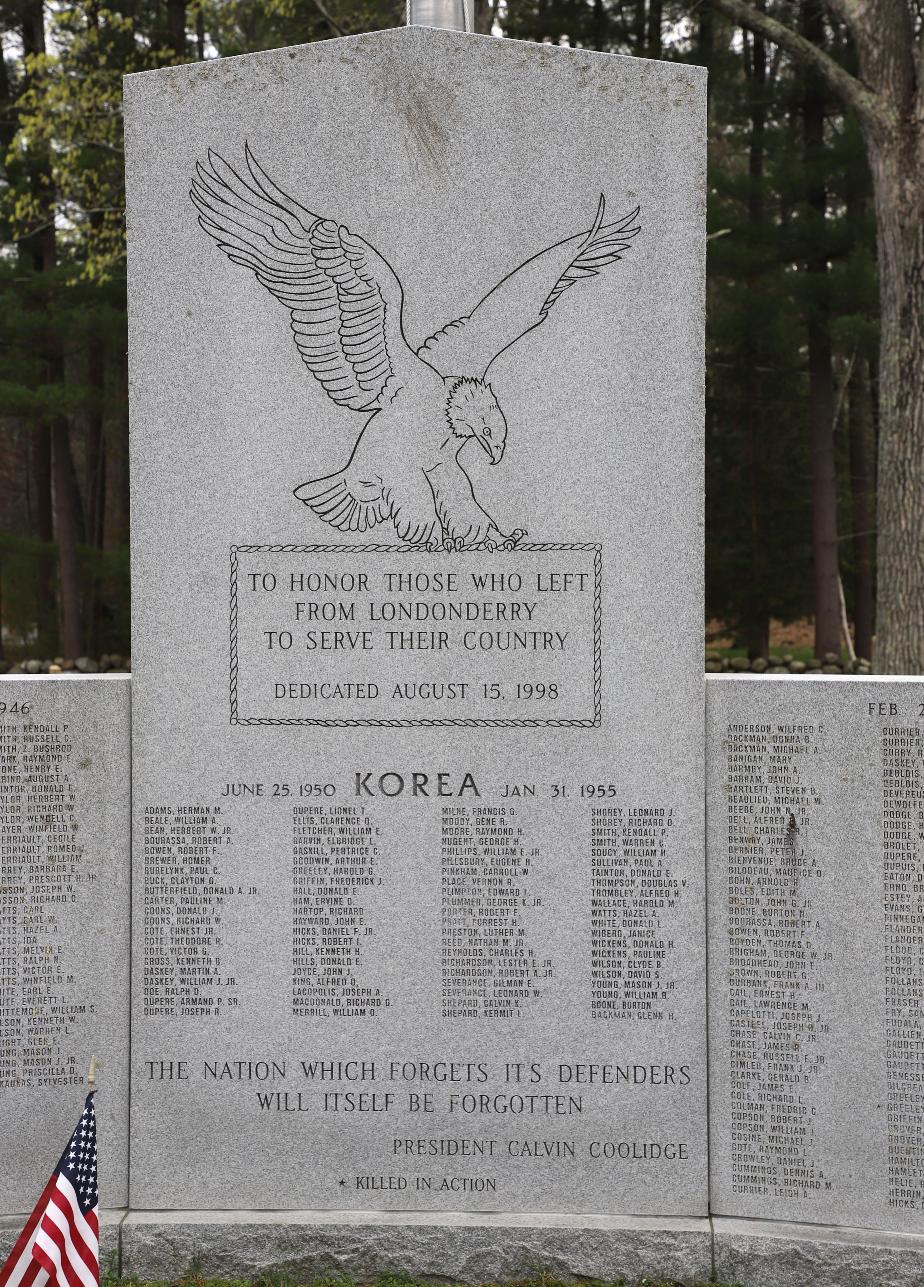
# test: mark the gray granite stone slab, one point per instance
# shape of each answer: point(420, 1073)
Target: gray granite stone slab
point(109, 1221)
point(764, 1253)
point(816, 931)
point(64, 926)
point(306, 1245)
point(419, 895)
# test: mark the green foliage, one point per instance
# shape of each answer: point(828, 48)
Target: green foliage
point(104, 571)
point(765, 230)
point(105, 575)
point(242, 26)
point(62, 274)
point(70, 112)
point(20, 610)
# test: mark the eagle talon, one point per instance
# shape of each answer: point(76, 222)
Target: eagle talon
point(434, 545)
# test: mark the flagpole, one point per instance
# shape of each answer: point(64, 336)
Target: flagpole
point(454, 15)
point(91, 1076)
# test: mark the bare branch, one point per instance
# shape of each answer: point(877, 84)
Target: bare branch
point(334, 25)
point(853, 91)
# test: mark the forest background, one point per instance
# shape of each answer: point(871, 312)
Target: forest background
point(793, 365)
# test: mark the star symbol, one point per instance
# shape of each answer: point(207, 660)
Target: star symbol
point(342, 1183)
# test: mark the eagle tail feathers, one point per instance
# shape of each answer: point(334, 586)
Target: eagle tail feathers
point(347, 503)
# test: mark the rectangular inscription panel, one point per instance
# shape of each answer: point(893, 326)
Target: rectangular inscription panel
point(64, 926)
point(465, 638)
point(816, 878)
point(418, 801)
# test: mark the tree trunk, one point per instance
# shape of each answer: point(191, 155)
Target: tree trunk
point(639, 26)
point(122, 510)
point(598, 28)
point(95, 479)
point(898, 177)
point(861, 487)
point(821, 384)
point(755, 618)
point(96, 454)
point(52, 461)
point(176, 27)
point(38, 252)
point(66, 533)
point(705, 44)
point(69, 524)
point(484, 17)
point(655, 16)
point(42, 527)
point(824, 492)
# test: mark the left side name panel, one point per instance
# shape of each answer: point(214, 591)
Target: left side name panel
point(64, 926)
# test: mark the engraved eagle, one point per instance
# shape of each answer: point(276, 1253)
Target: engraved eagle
point(421, 406)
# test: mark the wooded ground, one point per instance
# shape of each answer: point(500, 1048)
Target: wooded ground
point(794, 367)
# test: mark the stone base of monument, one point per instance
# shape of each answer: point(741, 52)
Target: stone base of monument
point(109, 1223)
point(306, 1245)
point(473, 1248)
point(770, 1253)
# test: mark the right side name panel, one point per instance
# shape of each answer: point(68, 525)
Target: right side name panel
point(815, 813)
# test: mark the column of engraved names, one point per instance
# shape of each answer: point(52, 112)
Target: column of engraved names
point(903, 891)
point(490, 967)
point(186, 968)
point(634, 900)
point(776, 989)
point(43, 871)
point(335, 870)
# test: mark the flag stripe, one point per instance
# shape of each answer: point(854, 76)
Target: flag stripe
point(36, 1275)
point(59, 1246)
point(80, 1254)
point(13, 1269)
point(27, 1272)
point(51, 1250)
point(84, 1239)
point(67, 1243)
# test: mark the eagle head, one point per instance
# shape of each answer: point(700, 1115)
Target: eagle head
point(473, 412)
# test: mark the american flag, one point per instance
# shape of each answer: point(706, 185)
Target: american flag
point(60, 1243)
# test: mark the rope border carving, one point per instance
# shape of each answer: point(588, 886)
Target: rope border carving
point(540, 547)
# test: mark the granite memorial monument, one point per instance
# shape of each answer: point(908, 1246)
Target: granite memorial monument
point(417, 457)
point(64, 917)
point(816, 934)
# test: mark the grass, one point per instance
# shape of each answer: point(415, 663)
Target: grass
point(194, 1279)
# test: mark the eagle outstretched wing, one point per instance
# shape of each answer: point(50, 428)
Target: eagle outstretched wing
point(522, 300)
point(345, 300)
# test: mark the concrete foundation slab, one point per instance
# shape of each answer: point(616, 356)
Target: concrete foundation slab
point(109, 1222)
point(763, 1253)
point(306, 1245)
